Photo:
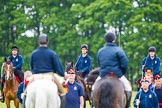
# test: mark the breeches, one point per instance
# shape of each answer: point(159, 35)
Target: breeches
point(123, 79)
point(19, 73)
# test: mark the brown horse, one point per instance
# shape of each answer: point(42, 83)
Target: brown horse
point(69, 65)
point(91, 78)
point(10, 85)
point(109, 93)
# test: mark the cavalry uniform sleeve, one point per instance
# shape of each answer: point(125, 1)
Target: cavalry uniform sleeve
point(57, 66)
point(20, 91)
point(136, 97)
point(123, 61)
point(88, 65)
point(157, 67)
point(20, 62)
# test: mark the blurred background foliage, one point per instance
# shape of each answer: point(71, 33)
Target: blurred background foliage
point(70, 23)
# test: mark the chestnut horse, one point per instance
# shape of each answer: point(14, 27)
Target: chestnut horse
point(10, 85)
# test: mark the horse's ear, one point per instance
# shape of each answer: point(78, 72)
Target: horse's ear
point(145, 69)
point(10, 59)
point(5, 59)
point(65, 62)
point(72, 63)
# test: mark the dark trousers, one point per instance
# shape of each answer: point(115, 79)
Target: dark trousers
point(19, 74)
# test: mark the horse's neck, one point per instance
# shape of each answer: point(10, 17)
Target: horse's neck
point(11, 83)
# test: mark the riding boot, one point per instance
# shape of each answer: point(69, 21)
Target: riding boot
point(128, 97)
point(21, 76)
point(63, 101)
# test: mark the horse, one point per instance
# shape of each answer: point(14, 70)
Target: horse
point(80, 80)
point(91, 79)
point(10, 85)
point(108, 92)
point(42, 93)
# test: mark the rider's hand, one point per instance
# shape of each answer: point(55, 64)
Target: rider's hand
point(14, 68)
point(81, 71)
point(65, 76)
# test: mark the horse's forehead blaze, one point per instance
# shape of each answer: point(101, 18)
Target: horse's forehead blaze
point(7, 67)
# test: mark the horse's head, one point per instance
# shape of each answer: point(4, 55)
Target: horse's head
point(148, 72)
point(92, 76)
point(69, 65)
point(8, 68)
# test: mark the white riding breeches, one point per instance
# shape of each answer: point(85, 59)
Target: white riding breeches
point(123, 79)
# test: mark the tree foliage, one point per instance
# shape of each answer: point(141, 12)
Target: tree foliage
point(69, 23)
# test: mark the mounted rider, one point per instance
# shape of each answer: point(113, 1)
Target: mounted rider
point(44, 61)
point(83, 64)
point(112, 59)
point(151, 61)
point(17, 61)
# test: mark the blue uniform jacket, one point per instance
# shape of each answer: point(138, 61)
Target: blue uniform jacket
point(20, 91)
point(44, 60)
point(152, 64)
point(83, 64)
point(112, 59)
point(158, 92)
point(17, 61)
point(73, 96)
point(147, 99)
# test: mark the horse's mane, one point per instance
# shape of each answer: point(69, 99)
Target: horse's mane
point(95, 71)
point(93, 75)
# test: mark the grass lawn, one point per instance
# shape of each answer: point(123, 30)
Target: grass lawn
point(2, 105)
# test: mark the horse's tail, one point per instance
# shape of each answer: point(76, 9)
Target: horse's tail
point(40, 99)
point(105, 98)
point(108, 93)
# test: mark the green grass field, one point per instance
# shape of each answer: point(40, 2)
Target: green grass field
point(2, 105)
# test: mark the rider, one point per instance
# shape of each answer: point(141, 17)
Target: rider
point(17, 62)
point(83, 64)
point(45, 61)
point(151, 61)
point(113, 59)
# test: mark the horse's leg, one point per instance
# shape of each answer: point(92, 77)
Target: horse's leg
point(16, 103)
point(30, 100)
point(7, 101)
point(41, 98)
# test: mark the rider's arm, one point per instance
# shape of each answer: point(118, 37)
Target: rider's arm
point(20, 91)
point(157, 67)
point(88, 65)
point(123, 61)
point(57, 66)
point(20, 63)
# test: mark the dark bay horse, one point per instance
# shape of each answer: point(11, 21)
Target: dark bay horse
point(106, 91)
point(10, 85)
point(109, 93)
point(69, 65)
